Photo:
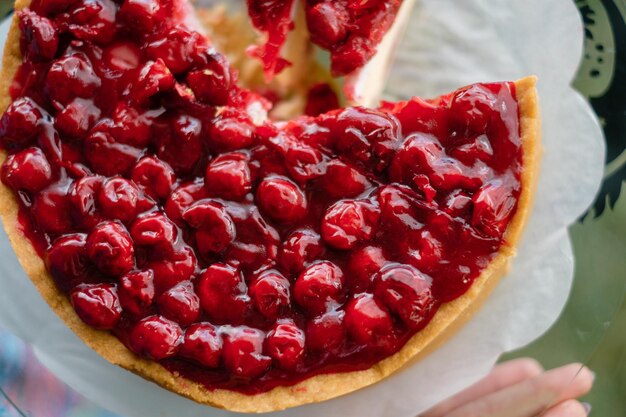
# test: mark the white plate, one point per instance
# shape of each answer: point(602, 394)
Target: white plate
point(449, 43)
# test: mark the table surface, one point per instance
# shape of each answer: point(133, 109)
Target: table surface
point(591, 327)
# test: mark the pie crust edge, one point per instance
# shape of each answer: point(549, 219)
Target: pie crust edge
point(445, 323)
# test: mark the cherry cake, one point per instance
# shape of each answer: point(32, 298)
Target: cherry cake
point(244, 263)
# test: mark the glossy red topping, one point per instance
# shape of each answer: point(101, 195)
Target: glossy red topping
point(273, 17)
point(349, 29)
point(244, 255)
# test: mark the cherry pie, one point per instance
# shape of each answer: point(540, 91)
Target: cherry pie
point(244, 263)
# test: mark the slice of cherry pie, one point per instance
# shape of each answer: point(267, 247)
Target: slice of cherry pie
point(350, 30)
point(244, 263)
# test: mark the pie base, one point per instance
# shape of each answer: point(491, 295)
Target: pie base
point(445, 323)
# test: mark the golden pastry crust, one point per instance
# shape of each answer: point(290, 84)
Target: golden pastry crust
point(447, 320)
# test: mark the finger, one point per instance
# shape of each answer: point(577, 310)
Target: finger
point(569, 408)
point(502, 376)
point(532, 396)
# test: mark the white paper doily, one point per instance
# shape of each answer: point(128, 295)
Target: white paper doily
point(449, 43)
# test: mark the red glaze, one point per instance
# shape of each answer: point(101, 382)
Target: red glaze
point(246, 256)
point(274, 18)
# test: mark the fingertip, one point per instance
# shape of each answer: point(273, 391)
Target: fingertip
point(584, 380)
point(564, 383)
point(569, 408)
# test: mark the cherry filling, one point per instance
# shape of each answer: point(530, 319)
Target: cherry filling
point(349, 29)
point(244, 256)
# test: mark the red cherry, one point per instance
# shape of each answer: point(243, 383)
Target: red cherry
point(67, 261)
point(300, 249)
point(110, 247)
point(257, 241)
point(326, 333)
point(270, 294)
point(243, 353)
point(154, 229)
point(353, 54)
point(180, 144)
point(328, 23)
point(82, 196)
point(319, 287)
point(27, 170)
point(183, 197)
point(107, 157)
point(222, 292)
point(228, 176)
point(250, 256)
point(428, 254)
point(97, 305)
point(141, 14)
point(211, 85)
point(343, 181)
point(152, 78)
point(369, 136)
point(304, 162)
point(321, 99)
point(52, 7)
point(202, 344)
point(349, 222)
point(281, 199)
point(51, 210)
point(121, 57)
point(362, 266)
point(118, 199)
point(155, 177)
point(40, 38)
point(406, 292)
point(285, 344)
point(19, 123)
point(136, 291)
point(180, 303)
point(172, 268)
point(156, 338)
point(368, 322)
point(215, 229)
point(70, 77)
point(402, 210)
point(131, 126)
point(177, 48)
point(423, 153)
point(472, 108)
point(231, 132)
point(77, 118)
point(90, 20)
point(494, 204)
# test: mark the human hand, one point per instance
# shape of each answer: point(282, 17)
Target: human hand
point(521, 388)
